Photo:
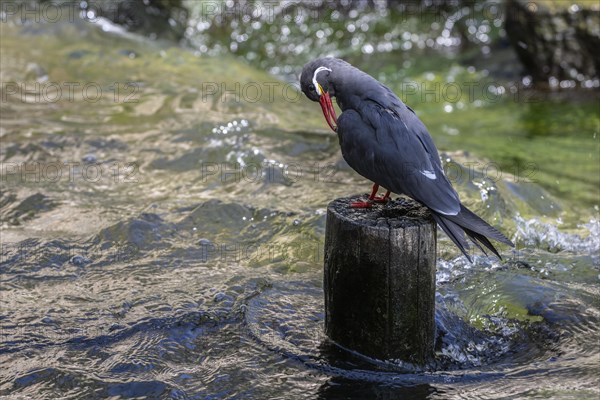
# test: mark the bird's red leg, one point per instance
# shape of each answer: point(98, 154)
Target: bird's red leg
point(369, 202)
point(374, 192)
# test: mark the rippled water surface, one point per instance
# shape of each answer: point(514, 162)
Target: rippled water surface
point(164, 238)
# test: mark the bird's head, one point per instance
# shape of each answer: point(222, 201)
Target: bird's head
point(316, 83)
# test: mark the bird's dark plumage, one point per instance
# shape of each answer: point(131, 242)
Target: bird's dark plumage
point(383, 140)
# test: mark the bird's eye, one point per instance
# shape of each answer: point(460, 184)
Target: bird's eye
point(311, 87)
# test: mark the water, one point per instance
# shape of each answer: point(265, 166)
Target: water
point(162, 241)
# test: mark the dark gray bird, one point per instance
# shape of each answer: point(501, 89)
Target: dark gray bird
point(383, 140)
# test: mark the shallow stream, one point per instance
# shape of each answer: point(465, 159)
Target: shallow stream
point(162, 235)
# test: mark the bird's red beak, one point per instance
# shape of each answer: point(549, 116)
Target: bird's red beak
point(328, 111)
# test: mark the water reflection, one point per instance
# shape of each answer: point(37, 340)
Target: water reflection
point(337, 388)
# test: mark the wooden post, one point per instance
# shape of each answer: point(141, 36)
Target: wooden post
point(379, 279)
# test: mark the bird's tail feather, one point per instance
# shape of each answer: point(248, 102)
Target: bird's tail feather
point(454, 232)
point(467, 219)
point(455, 226)
point(476, 237)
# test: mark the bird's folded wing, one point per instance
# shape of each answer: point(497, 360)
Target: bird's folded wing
point(392, 148)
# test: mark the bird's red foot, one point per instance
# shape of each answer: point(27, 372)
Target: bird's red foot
point(379, 199)
point(372, 198)
point(384, 199)
point(361, 204)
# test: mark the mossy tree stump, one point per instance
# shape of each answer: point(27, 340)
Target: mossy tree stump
point(379, 279)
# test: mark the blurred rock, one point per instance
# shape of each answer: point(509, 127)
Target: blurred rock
point(555, 40)
point(164, 19)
